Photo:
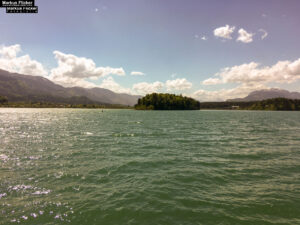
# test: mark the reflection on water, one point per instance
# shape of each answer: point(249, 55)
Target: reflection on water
point(78, 166)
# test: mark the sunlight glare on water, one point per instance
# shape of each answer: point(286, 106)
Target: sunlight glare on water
point(80, 166)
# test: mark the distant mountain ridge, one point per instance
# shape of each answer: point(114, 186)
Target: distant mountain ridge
point(18, 87)
point(264, 94)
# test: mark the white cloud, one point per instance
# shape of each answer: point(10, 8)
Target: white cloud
point(137, 73)
point(109, 83)
point(170, 85)
point(249, 77)
point(253, 73)
point(225, 94)
point(81, 67)
point(72, 81)
point(204, 38)
point(212, 81)
point(264, 35)
point(178, 84)
point(224, 32)
point(10, 52)
point(80, 71)
point(147, 88)
point(10, 61)
point(244, 36)
point(72, 70)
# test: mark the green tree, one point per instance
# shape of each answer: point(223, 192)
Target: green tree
point(159, 101)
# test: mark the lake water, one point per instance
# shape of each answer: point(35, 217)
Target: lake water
point(81, 166)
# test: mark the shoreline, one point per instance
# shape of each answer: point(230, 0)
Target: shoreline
point(132, 108)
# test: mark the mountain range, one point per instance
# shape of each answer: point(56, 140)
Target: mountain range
point(263, 94)
point(18, 87)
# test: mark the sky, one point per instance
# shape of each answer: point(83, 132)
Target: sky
point(208, 49)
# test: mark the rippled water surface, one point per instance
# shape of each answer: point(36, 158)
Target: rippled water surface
point(65, 166)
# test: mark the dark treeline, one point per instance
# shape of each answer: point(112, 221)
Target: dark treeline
point(276, 104)
point(43, 104)
point(168, 102)
point(156, 101)
point(225, 105)
point(269, 104)
point(3, 100)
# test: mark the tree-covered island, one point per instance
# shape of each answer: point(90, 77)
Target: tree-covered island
point(157, 101)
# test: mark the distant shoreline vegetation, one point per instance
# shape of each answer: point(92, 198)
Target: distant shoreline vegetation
point(4, 103)
point(274, 104)
point(158, 101)
point(167, 102)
